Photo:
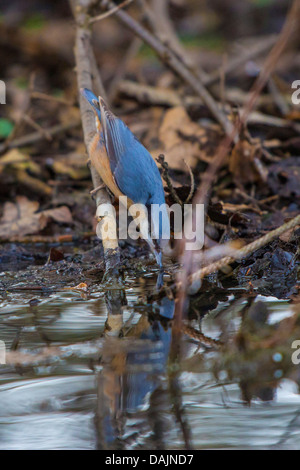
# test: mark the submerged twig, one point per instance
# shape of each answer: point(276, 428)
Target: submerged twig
point(197, 335)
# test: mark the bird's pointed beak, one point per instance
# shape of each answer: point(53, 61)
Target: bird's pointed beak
point(103, 109)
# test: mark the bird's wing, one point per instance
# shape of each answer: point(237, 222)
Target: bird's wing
point(116, 134)
point(133, 168)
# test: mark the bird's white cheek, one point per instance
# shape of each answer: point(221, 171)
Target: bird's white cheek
point(98, 125)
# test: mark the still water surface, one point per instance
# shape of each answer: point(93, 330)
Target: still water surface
point(106, 375)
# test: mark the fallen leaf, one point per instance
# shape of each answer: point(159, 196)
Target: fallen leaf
point(80, 287)
point(23, 170)
point(242, 162)
point(73, 165)
point(21, 218)
point(56, 255)
point(59, 214)
point(288, 236)
point(284, 177)
point(18, 161)
point(180, 138)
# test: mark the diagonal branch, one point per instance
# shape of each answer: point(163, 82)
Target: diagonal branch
point(172, 61)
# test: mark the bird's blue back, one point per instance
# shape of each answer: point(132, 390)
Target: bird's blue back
point(132, 166)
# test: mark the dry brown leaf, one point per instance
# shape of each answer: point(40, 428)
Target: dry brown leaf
point(175, 125)
point(82, 286)
point(242, 162)
point(287, 236)
point(59, 214)
point(21, 168)
point(21, 218)
point(19, 161)
point(73, 165)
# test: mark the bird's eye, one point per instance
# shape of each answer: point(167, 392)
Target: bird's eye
point(95, 102)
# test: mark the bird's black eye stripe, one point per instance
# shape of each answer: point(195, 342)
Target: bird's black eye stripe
point(96, 103)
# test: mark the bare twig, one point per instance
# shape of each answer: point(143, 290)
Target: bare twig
point(159, 96)
point(192, 190)
point(159, 21)
point(110, 12)
point(36, 136)
point(150, 95)
point(172, 61)
point(237, 62)
point(166, 177)
point(132, 50)
point(279, 100)
point(43, 96)
point(288, 30)
point(44, 133)
point(202, 195)
point(245, 251)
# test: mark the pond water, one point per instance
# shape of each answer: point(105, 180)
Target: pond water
point(106, 370)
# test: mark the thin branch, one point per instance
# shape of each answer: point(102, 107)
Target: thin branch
point(192, 190)
point(43, 96)
point(110, 12)
point(131, 52)
point(159, 21)
point(31, 122)
point(245, 251)
point(147, 94)
point(159, 96)
point(29, 139)
point(288, 30)
point(237, 62)
point(172, 61)
point(167, 179)
point(207, 179)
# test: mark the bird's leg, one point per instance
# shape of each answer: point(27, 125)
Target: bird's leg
point(155, 248)
point(158, 254)
point(94, 191)
point(111, 194)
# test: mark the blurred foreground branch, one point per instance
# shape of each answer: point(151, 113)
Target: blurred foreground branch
point(202, 196)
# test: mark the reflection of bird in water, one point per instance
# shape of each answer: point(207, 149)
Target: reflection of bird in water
point(128, 169)
point(132, 370)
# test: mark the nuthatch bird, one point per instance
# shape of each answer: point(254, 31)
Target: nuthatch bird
point(128, 169)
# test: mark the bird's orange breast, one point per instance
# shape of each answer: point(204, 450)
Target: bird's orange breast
point(100, 161)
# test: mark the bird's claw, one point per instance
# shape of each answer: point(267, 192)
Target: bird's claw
point(95, 190)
